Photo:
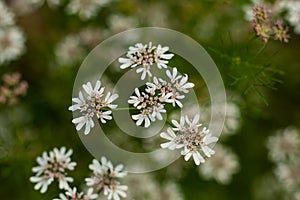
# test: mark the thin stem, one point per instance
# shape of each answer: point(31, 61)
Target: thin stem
point(261, 50)
point(128, 108)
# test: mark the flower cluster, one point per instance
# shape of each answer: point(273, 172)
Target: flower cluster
point(53, 165)
point(56, 163)
point(12, 88)
point(265, 28)
point(221, 166)
point(144, 56)
point(292, 12)
point(85, 9)
point(92, 104)
point(11, 37)
point(284, 151)
point(150, 103)
point(187, 135)
point(106, 179)
point(71, 49)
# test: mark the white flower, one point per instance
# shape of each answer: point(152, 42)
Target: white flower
point(142, 117)
point(6, 16)
point(93, 104)
point(284, 145)
point(192, 152)
point(109, 99)
point(144, 56)
point(183, 86)
point(292, 9)
point(53, 166)
point(289, 175)
point(69, 50)
point(42, 183)
point(91, 36)
point(86, 121)
point(145, 70)
point(11, 44)
point(157, 110)
point(136, 100)
point(173, 77)
point(118, 23)
point(73, 194)
point(106, 178)
point(86, 9)
point(80, 103)
point(160, 55)
point(187, 136)
point(173, 143)
point(117, 191)
point(221, 166)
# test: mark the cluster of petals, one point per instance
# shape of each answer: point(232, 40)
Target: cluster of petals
point(73, 194)
point(92, 104)
point(151, 102)
point(53, 165)
point(265, 28)
point(106, 177)
point(187, 136)
point(12, 88)
point(143, 56)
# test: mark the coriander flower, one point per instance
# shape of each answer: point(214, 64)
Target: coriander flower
point(69, 50)
point(289, 175)
point(144, 56)
point(73, 194)
point(284, 145)
point(150, 106)
point(53, 165)
point(106, 177)
point(265, 28)
point(86, 9)
point(12, 88)
point(6, 16)
point(92, 104)
point(12, 44)
point(221, 166)
point(187, 135)
point(292, 10)
point(150, 102)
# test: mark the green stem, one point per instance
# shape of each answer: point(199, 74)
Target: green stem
point(129, 108)
point(260, 50)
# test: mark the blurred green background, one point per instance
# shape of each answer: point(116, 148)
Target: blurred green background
point(41, 120)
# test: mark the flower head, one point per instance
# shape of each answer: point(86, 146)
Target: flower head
point(187, 135)
point(53, 165)
point(265, 28)
point(144, 56)
point(12, 88)
point(12, 44)
point(221, 166)
point(151, 102)
point(106, 178)
point(69, 50)
point(93, 104)
point(86, 9)
point(284, 145)
point(6, 16)
point(281, 33)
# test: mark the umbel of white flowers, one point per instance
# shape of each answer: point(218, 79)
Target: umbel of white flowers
point(53, 165)
point(92, 104)
point(144, 56)
point(187, 136)
point(151, 102)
